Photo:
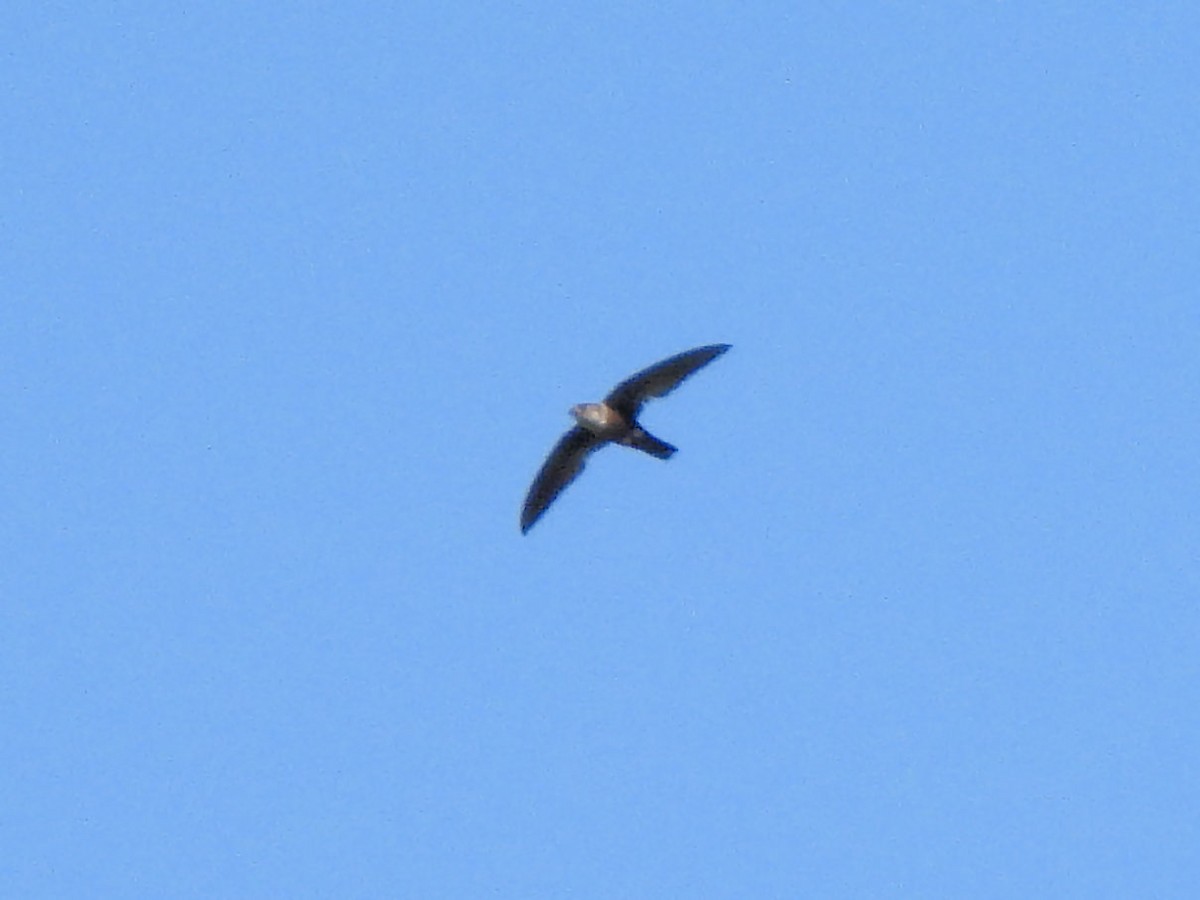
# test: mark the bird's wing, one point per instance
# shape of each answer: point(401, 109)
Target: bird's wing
point(561, 467)
point(660, 379)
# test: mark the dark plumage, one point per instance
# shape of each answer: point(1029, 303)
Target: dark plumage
point(613, 420)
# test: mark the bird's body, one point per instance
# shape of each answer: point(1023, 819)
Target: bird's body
point(613, 420)
point(601, 420)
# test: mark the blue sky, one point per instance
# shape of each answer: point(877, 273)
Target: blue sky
point(296, 299)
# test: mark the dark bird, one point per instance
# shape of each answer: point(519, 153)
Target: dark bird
point(612, 420)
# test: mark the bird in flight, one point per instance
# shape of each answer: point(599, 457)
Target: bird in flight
point(611, 421)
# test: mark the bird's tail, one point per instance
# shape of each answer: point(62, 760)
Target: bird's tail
point(640, 439)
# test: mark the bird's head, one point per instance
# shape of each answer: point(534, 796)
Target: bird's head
point(587, 413)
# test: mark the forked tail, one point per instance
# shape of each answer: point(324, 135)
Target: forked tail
point(640, 439)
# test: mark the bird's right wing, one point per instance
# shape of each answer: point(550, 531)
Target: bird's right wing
point(561, 467)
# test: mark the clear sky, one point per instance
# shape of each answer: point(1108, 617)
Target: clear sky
point(296, 297)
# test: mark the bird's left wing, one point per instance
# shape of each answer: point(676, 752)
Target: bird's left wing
point(660, 379)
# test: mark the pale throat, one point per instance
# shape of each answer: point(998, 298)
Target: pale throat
point(598, 418)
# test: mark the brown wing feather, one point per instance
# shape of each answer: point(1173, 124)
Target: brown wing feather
point(660, 379)
point(561, 467)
